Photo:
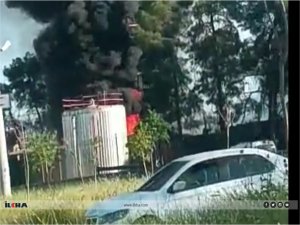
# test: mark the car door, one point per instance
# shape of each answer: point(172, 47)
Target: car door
point(259, 171)
point(231, 181)
point(203, 185)
point(248, 172)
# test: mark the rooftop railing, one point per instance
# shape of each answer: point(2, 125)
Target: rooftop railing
point(114, 98)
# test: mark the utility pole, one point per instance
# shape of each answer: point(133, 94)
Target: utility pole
point(5, 173)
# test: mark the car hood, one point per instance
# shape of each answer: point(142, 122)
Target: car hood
point(146, 201)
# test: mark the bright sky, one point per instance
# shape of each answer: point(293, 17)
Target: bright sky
point(20, 30)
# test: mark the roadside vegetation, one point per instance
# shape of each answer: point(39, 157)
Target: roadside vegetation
point(108, 188)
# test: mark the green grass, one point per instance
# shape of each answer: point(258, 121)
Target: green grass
point(77, 191)
point(108, 188)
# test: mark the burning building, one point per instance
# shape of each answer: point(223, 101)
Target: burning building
point(87, 53)
point(86, 43)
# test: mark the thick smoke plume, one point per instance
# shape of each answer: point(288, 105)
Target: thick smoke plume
point(86, 42)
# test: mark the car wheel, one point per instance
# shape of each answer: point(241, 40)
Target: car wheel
point(148, 219)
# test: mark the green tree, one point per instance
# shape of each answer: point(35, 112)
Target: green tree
point(43, 149)
point(157, 127)
point(267, 23)
point(152, 130)
point(27, 84)
point(162, 72)
point(215, 45)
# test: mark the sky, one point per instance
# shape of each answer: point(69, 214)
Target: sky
point(21, 30)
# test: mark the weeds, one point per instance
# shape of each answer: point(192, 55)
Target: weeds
point(107, 188)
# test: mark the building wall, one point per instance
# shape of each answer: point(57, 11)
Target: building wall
point(94, 135)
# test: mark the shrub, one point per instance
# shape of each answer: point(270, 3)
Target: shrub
point(43, 148)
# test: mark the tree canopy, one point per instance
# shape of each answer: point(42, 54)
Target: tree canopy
point(188, 54)
point(27, 84)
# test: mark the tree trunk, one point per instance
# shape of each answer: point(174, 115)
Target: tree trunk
point(228, 135)
point(220, 96)
point(43, 174)
point(206, 129)
point(27, 173)
point(271, 80)
point(220, 105)
point(47, 174)
point(54, 100)
point(283, 105)
point(177, 102)
point(60, 168)
point(272, 113)
point(152, 163)
point(39, 118)
point(144, 164)
point(282, 62)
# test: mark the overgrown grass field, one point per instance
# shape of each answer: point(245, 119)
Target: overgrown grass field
point(106, 188)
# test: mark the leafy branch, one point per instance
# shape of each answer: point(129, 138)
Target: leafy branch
point(151, 131)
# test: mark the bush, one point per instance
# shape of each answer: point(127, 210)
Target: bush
point(151, 131)
point(43, 148)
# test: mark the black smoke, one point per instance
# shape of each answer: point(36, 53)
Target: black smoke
point(84, 43)
point(41, 11)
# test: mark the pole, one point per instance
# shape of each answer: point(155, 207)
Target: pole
point(6, 188)
point(282, 62)
point(5, 173)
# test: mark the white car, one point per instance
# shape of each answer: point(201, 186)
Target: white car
point(192, 182)
point(262, 144)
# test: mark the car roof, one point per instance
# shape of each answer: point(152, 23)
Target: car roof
point(221, 153)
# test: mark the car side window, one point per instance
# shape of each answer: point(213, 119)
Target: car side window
point(248, 165)
point(199, 175)
point(194, 177)
point(212, 174)
point(236, 170)
point(255, 164)
point(224, 169)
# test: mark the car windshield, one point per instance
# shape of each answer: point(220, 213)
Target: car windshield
point(162, 176)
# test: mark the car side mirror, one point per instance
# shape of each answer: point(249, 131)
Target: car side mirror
point(178, 186)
